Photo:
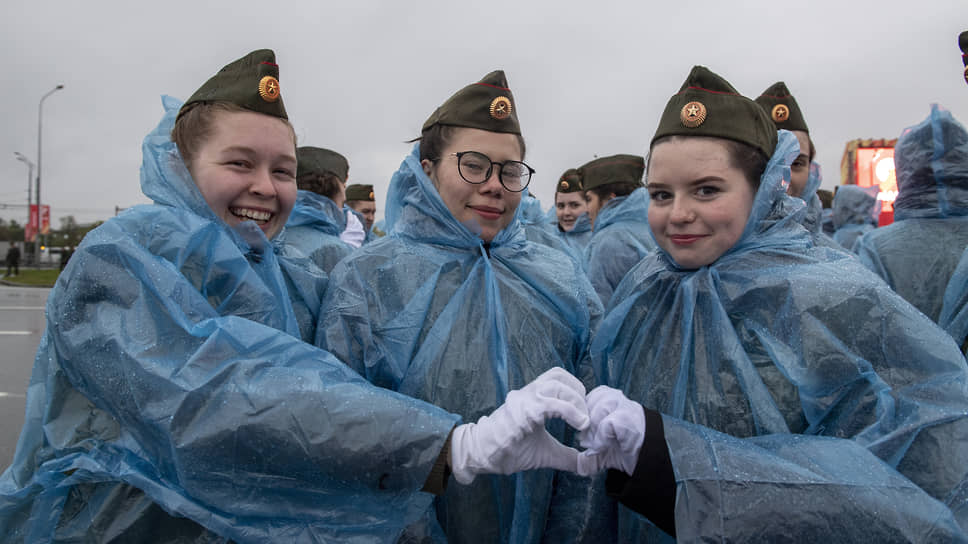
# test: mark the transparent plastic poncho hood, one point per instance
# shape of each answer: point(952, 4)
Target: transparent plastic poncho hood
point(621, 238)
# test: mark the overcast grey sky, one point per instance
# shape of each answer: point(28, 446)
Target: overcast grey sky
point(589, 78)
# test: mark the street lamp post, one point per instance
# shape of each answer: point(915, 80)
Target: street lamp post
point(40, 118)
point(30, 181)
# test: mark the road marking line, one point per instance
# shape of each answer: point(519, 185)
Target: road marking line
point(15, 333)
point(22, 308)
point(14, 395)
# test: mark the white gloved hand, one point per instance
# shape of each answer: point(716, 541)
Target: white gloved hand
point(513, 437)
point(614, 436)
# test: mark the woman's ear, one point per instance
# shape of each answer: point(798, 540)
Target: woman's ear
point(427, 166)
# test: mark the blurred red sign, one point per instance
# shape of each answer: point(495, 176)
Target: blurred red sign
point(45, 219)
point(30, 231)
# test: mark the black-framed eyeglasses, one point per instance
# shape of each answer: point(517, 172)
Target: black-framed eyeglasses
point(476, 168)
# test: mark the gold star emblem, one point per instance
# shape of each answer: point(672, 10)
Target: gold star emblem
point(966, 74)
point(780, 113)
point(269, 89)
point(371, 195)
point(564, 185)
point(693, 114)
point(501, 108)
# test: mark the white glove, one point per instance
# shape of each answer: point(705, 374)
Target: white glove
point(513, 438)
point(615, 435)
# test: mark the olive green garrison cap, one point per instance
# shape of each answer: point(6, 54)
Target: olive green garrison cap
point(486, 105)
point(612, 169)
point(569, 182)
point(320, 161)
point(782, 107)
point(251, 82)
point(707, 105)
point(360, 192)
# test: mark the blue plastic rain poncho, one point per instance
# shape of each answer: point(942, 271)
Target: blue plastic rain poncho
point(853, 213)
point(578, 237)
point(172, 402)
point(954, 312)
point(314, 227)
point(378, 230)
point(813, 217)
point(433, 312)
point(621, 239)
point(368, 235)
point(536, 228)
point(917, 254)
point(779, 336)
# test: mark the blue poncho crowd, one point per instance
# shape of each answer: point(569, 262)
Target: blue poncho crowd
point(202, 381)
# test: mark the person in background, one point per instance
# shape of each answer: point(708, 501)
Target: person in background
point(537, 229)
point(455, 306)
point(316, 220)
point(171, 398)
point(853, 214)
point(617, 208)
point(13, 259)
point(917, 254)
point(760, 386)
point(363, 201)
point(571, 212)
point(65, 256)
point(805, 175)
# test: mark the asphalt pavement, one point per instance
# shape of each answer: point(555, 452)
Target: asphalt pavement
point(21, 326)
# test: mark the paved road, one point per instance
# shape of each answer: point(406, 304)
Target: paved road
point(21, 326)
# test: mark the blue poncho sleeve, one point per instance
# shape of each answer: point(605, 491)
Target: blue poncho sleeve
point(215, 416)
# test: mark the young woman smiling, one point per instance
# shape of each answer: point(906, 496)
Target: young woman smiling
point(764, 386)
point(456, 307)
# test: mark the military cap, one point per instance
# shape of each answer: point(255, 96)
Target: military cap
point(569, 182)
point(486, 105)
point(251, 82)
point(963, 44)
point(782, 107)
point(360, 192)
point(707, 105)
point(613, 169)
point(319, 160)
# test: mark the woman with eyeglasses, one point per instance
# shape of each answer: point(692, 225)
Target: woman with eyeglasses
point(456, 307)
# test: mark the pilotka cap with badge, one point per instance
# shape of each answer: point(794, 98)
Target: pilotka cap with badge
point(782, 107)
point(360, 192)
point(707, 105)
point(251, 82)
point(569, 182)
point(486, 105)
point(317, 160)
point(612, 169)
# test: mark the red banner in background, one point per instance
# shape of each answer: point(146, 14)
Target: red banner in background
point(30, 231)
point(45, 219)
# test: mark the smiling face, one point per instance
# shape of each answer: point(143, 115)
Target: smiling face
point(568, 207)
point(699, 201)
point(800, 169)
point(488, 204)
point(246, 169)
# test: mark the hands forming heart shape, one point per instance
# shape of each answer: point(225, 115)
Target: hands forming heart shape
point(513, 437)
